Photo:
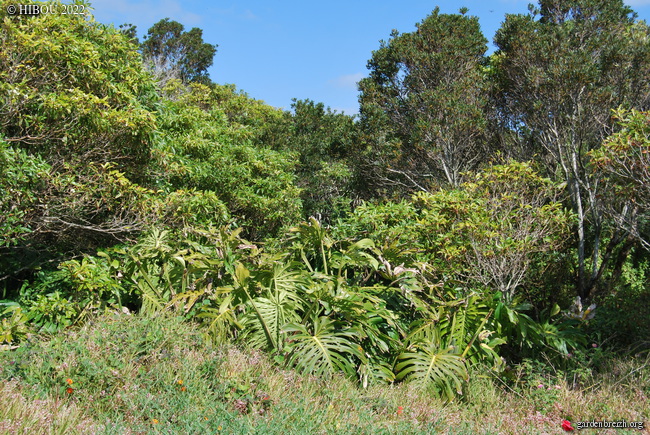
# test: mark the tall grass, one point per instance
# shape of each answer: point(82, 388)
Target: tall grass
point(126, 374)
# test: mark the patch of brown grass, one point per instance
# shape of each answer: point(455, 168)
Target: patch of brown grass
point(51, 416)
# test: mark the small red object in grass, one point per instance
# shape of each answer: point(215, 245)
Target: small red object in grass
point(69, 390)
point(566, 425)
point(400, 409)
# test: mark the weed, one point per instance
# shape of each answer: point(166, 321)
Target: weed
point(133, 374)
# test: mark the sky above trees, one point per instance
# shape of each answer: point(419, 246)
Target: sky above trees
point(276, 51)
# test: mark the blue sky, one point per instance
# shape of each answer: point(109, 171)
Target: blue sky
point(279, 50)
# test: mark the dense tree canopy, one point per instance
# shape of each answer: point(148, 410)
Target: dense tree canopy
point(71, 87)
point(560, 71)
point(82, 157)
point(324, 140)
point(171, 52)
point(77, 114)
point(424, 102)
point(622, 164)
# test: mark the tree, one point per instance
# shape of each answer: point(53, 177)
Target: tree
point(131, 32)
point(173, 53)
point(522, 221)
point(202, 152)
point(423, 104)
point(560, 71)
point(622, 165)
point(76, 127)
point(323, 139)
point(72, 88)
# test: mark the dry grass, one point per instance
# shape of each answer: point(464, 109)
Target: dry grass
point(52, 416)
point(230, 390)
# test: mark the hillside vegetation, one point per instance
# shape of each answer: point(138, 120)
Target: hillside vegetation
point(469, 254)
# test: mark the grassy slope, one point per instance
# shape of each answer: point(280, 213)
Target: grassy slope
point(131, 374)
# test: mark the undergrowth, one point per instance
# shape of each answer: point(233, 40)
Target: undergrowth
point(132, 374)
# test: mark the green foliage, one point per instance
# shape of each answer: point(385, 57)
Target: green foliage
point(170, 52)
point(74, 292)
point(623, 165)
point(431, 364)
point(323, 140)
point(72, 87)
point(52, 312)
point(347, 316)
point(91, 205)
point(94, 281)
point(77, 111)
point(202, 151)
point(310, 310)
point(277, 304)
point(622, 318)
point(423, 106)
point(523, 222)
point(554, 335)
point(21, 175)
point(424, 290)
point(575, 59)
point(327, 303)
point(165, 276)
point(13, 324)
point(320, 304)
point(559, 71)
point(323, 349)
point(446, 337)
point(192, 209)
point(268, 127)
point(485, 234)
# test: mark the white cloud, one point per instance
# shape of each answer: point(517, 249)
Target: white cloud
point(347, 81)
